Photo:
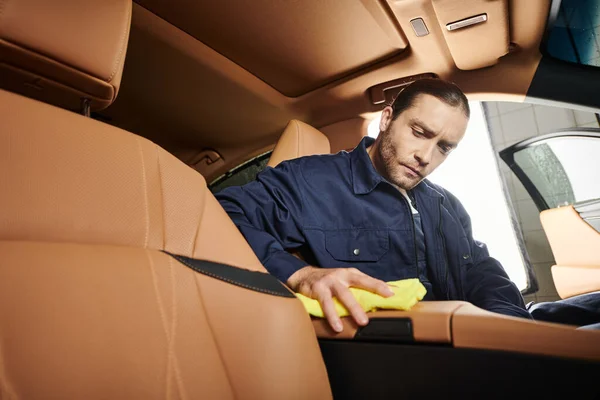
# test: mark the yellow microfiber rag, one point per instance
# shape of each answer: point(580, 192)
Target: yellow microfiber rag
point(407, 293)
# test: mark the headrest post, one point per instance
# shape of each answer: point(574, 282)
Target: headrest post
point(85, 107)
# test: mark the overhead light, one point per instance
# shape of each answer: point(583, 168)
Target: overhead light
point(419, 27)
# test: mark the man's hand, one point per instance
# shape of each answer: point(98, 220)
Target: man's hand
point(323, 284)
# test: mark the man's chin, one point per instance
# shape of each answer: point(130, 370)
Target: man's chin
point(406, 184)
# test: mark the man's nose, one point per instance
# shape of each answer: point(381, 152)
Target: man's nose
point(424, 154)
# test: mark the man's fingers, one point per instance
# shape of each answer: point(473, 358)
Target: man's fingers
point(324, 285)
point(343, 294)
point(331, 314)
point(364, 281)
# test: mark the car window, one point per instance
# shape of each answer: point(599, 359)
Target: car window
point(558, 169)
point(575, 33)
point(513, 123)
point(242, 174)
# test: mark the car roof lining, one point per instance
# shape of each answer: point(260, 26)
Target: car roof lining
point(290, 45)
point(188, 97)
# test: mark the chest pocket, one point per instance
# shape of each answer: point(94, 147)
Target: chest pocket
point(357, 245)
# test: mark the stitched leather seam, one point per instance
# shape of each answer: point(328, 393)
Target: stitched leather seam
point(222, 278)
point(213, 336)
point(178, 379)
point(162, 198)
point(202, 205)
point(146, 213)
point(163, 319)
point(123, 43)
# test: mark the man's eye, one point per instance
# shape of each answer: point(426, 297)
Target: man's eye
point(417, 133)
point(445, 149)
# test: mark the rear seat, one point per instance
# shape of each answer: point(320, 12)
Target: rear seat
point(91, 304)
point(298, 140)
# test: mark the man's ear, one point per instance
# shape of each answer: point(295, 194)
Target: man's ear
point(386, 118)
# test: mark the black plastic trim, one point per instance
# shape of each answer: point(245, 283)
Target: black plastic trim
point(371, 370)
point(253, 280)
point(565, 83)
point(398, 330)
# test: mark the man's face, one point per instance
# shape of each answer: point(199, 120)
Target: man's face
point(418, 141)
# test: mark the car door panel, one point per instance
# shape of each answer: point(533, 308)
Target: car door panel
point(561, 172)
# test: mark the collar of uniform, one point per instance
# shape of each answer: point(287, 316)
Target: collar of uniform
point(428, 189)
point(365, 177)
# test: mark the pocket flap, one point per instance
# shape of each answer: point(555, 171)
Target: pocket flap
point(357, 245)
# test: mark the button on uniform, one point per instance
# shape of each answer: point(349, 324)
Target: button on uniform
point(356, 252)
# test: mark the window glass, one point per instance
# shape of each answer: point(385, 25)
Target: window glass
point(241, 174)
point(575, 36)
point(554, 166)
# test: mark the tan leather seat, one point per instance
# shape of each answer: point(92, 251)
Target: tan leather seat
point(574, 244)
point(63, 51)
point(298, 140)
point(91, 306)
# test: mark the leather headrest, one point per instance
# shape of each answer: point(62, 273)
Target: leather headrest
point(299, 140)
point(63, 51)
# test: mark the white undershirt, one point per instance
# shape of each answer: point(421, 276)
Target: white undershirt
point(414, 210)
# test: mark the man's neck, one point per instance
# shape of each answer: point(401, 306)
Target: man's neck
point(371, 152)
point(403, 191)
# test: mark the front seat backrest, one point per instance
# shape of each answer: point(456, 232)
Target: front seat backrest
point(92, 306)
point(298, 140)
point(61, 52)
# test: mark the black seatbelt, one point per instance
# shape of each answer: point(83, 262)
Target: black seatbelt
point(253, 280)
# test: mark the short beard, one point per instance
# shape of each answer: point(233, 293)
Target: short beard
point(388, 159)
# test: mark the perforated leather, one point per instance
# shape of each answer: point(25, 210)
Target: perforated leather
point(89, 305)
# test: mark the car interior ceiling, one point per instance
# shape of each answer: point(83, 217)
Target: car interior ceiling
point(141, 252)
point(192, 87)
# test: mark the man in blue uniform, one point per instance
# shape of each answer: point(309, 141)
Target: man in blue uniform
point(367, 216)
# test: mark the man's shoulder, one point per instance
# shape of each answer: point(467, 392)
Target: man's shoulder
point(322, 164)
point(316, 172)
point(318, 159)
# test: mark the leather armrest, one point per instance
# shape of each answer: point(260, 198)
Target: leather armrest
point(430, 322)
point(572, 281)
point(475, 328)
point(463, 325)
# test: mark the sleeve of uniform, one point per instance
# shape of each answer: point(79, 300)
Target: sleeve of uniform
point(268, 212)
point(488, 285)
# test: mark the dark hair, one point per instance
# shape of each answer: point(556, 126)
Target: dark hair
point(445, 91)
